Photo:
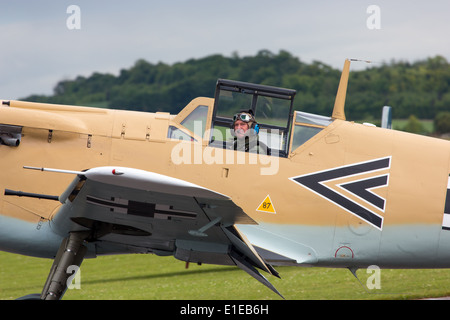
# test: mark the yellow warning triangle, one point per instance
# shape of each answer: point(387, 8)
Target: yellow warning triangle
point(266, 206)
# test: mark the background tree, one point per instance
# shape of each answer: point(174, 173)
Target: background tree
point(442, 122)
point(421, 88)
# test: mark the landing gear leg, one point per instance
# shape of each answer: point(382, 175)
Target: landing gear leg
point(70, 253)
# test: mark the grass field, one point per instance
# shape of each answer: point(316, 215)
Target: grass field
point(139, 277)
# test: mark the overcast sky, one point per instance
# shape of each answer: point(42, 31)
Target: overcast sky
point(38, 47)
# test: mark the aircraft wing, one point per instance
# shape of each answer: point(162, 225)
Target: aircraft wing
point(133, 210)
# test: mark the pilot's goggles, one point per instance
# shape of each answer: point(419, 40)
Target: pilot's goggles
point(242, 116)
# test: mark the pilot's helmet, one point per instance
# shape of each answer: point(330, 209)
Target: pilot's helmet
point(246, 116)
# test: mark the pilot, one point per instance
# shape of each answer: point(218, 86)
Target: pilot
point(245, 130)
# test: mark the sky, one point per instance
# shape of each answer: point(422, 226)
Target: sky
point(46, 41)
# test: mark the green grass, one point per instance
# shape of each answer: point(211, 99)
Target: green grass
point(165, 278)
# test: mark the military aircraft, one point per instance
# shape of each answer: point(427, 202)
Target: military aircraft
point(81, 182)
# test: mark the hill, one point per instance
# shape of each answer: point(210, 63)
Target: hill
point(420, 88)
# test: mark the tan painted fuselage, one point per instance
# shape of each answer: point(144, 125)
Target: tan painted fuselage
point(415, 192)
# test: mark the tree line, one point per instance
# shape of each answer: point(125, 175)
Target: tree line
point(418, 88)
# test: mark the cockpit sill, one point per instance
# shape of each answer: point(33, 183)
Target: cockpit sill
point(208, 123)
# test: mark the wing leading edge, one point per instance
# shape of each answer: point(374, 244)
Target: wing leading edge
point(130, 210)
